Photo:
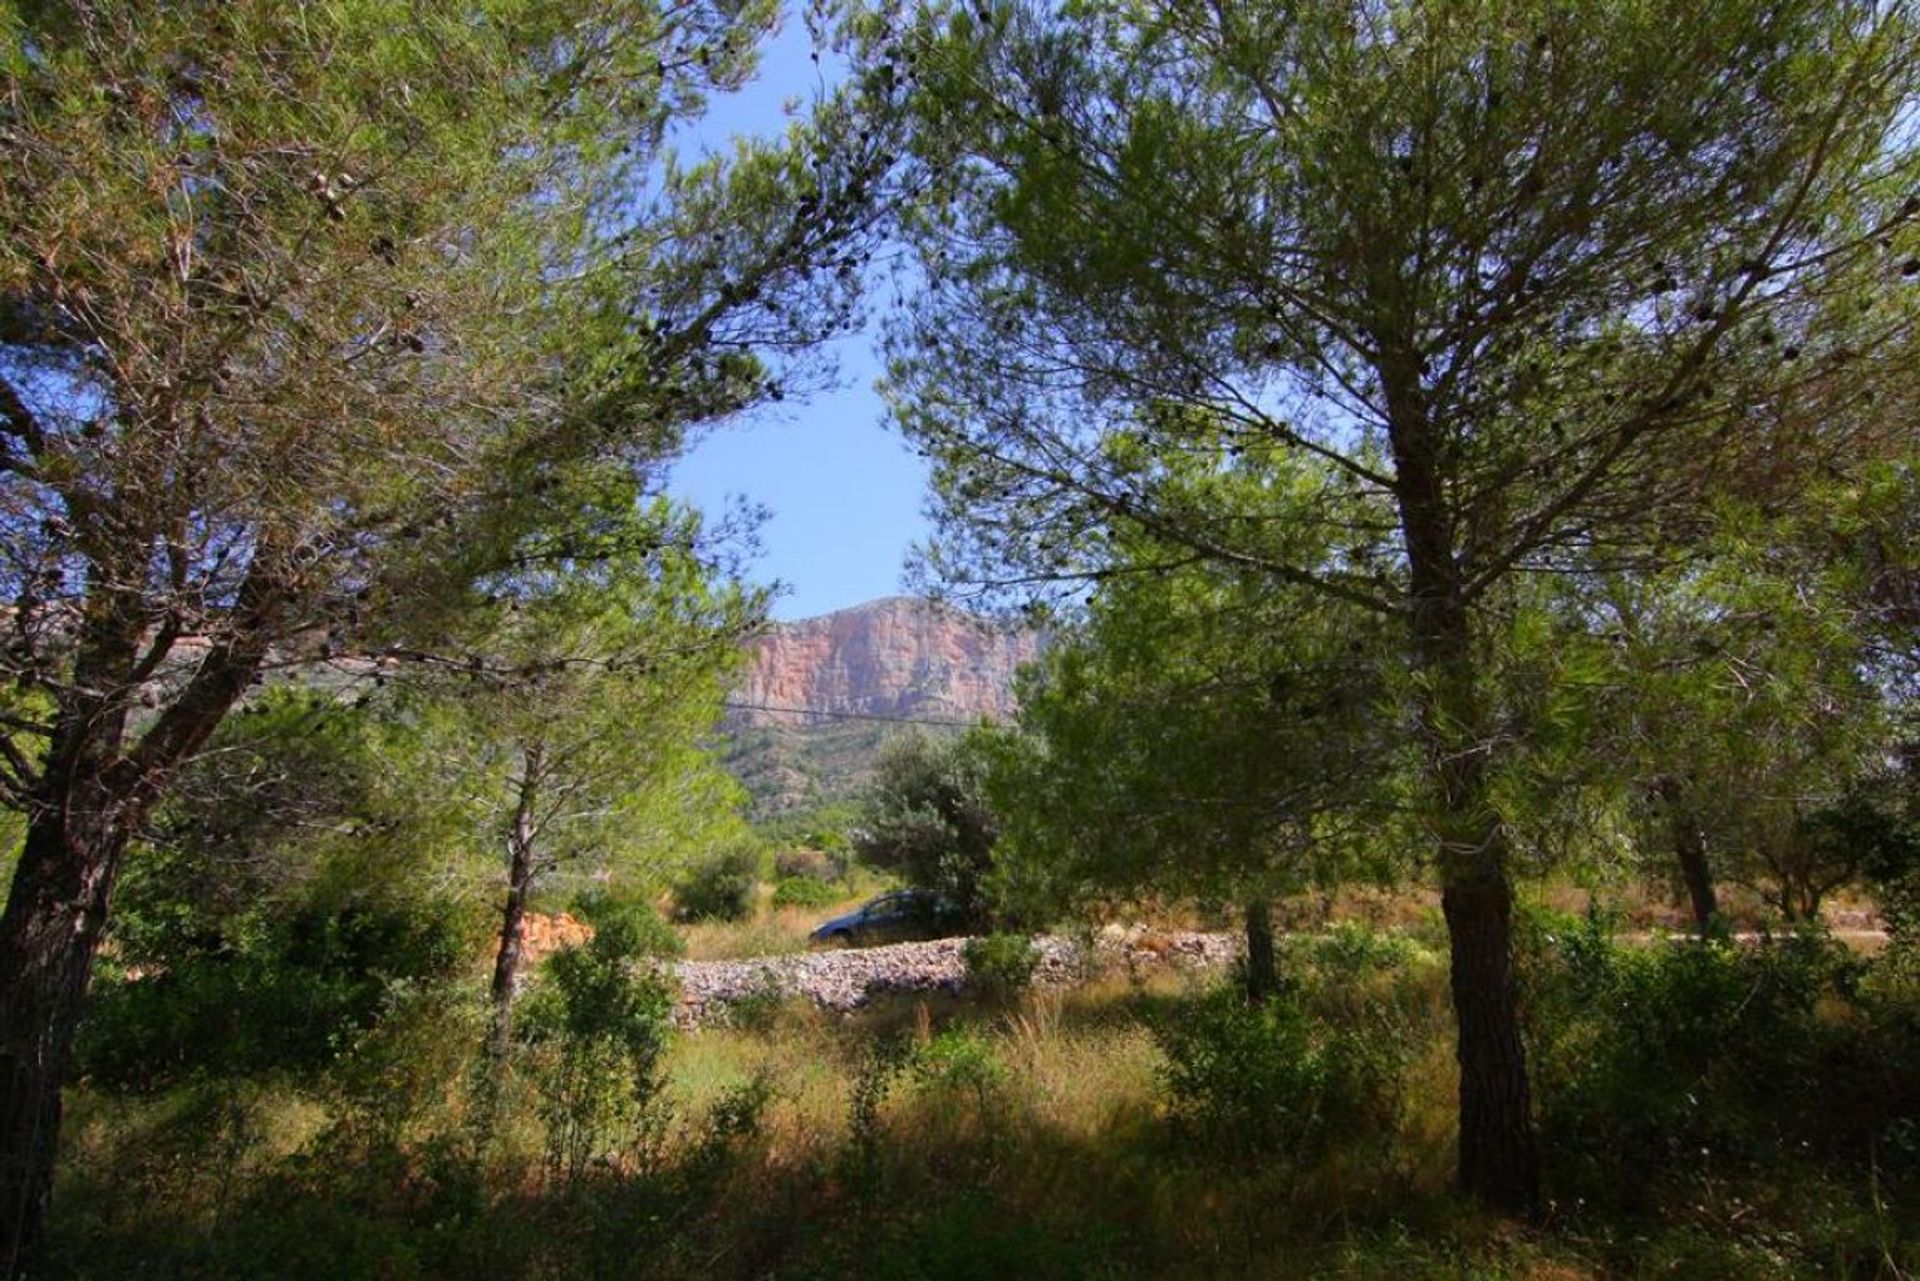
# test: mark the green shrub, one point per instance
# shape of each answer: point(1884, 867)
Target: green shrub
point(599, 1026)
point(1000, 966)
point(720, 889)
point(289, 999)
point(1673, 1060)
point(805, 863)
point(926, 819)
point(958, 1060)
point(1268, 1082)
point(801, 891)
point(643, 932)
point(1351, 951)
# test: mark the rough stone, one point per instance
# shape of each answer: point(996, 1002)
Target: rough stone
point(847, 979)
point(900, 656)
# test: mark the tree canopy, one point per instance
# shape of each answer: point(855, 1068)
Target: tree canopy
point(1525, 274)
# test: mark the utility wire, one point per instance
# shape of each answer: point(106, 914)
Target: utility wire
point(732, 706)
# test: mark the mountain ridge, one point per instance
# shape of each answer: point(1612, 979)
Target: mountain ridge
point(820, 696)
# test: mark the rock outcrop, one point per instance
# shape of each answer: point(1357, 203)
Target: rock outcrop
point(902, 656)
point(821, 696)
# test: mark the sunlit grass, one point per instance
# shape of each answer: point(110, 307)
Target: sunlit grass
point(771, 930)
point(1033, 1136)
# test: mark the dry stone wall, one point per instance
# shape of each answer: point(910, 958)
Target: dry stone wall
point(848, 979)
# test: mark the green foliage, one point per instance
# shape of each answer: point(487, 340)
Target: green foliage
point(276, 920)
point(958, 1060)
point(304, 802)
point(13, 830)
point(1200, 732)
point(598, 1026)
point(1000, 966)
point(810, 862)
point(641, 930)
point(719, 888)
point(804, 891)
point(1269, 1082)
point(1874, 828)
point(927, 819)
point(289, 998)
point(1740, 701)
point(1674, 1062)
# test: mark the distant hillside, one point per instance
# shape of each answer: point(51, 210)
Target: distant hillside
point(798, 741)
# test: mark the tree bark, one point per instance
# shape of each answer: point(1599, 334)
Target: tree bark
point(93, 793)
point(1690, 850)
point(1263, 975)
point(520, 874)
point(1498, 1158)
point(49, 935)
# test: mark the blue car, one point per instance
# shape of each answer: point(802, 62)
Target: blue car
point(892, 918)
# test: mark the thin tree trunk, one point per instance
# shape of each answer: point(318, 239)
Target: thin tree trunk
point(1263, 975)
point(520, 873)
point(1690, 851)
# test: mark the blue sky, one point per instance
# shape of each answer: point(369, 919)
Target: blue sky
point(844, 492)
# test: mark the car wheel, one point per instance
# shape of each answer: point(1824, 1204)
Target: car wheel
point(841, 938)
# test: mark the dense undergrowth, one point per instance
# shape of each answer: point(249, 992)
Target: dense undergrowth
point(1719, 1109)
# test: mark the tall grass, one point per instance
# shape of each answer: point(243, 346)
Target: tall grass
point(1040, 1137)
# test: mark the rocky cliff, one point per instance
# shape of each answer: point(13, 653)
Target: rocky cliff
point(801, 734)
point(902, 656)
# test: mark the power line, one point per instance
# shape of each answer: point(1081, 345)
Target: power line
point(730, 705)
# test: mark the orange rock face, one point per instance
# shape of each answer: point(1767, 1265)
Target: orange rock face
point(543, 935)
point(896, 657)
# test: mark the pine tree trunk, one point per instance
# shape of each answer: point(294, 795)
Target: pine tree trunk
point(1263, 975)
point(1690, 850)
point(1498, 1160)
point(520, 873)
point(1498, 1163)
point(93, 794)
point(49, 936)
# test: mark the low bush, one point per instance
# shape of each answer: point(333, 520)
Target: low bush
point(643, 931)
point(598, 1027)
point(720, 889)
point(1694, 1058)
point(958, 1060)
point(805, 863)
point(1000, 966)
point(803, 891)
point(288, 1000)
point(1269, 1082)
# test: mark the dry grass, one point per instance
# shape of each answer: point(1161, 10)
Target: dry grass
point(770, 931)
point(1055, 1158)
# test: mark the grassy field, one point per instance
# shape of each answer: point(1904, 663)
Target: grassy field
point(1127, 1128)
